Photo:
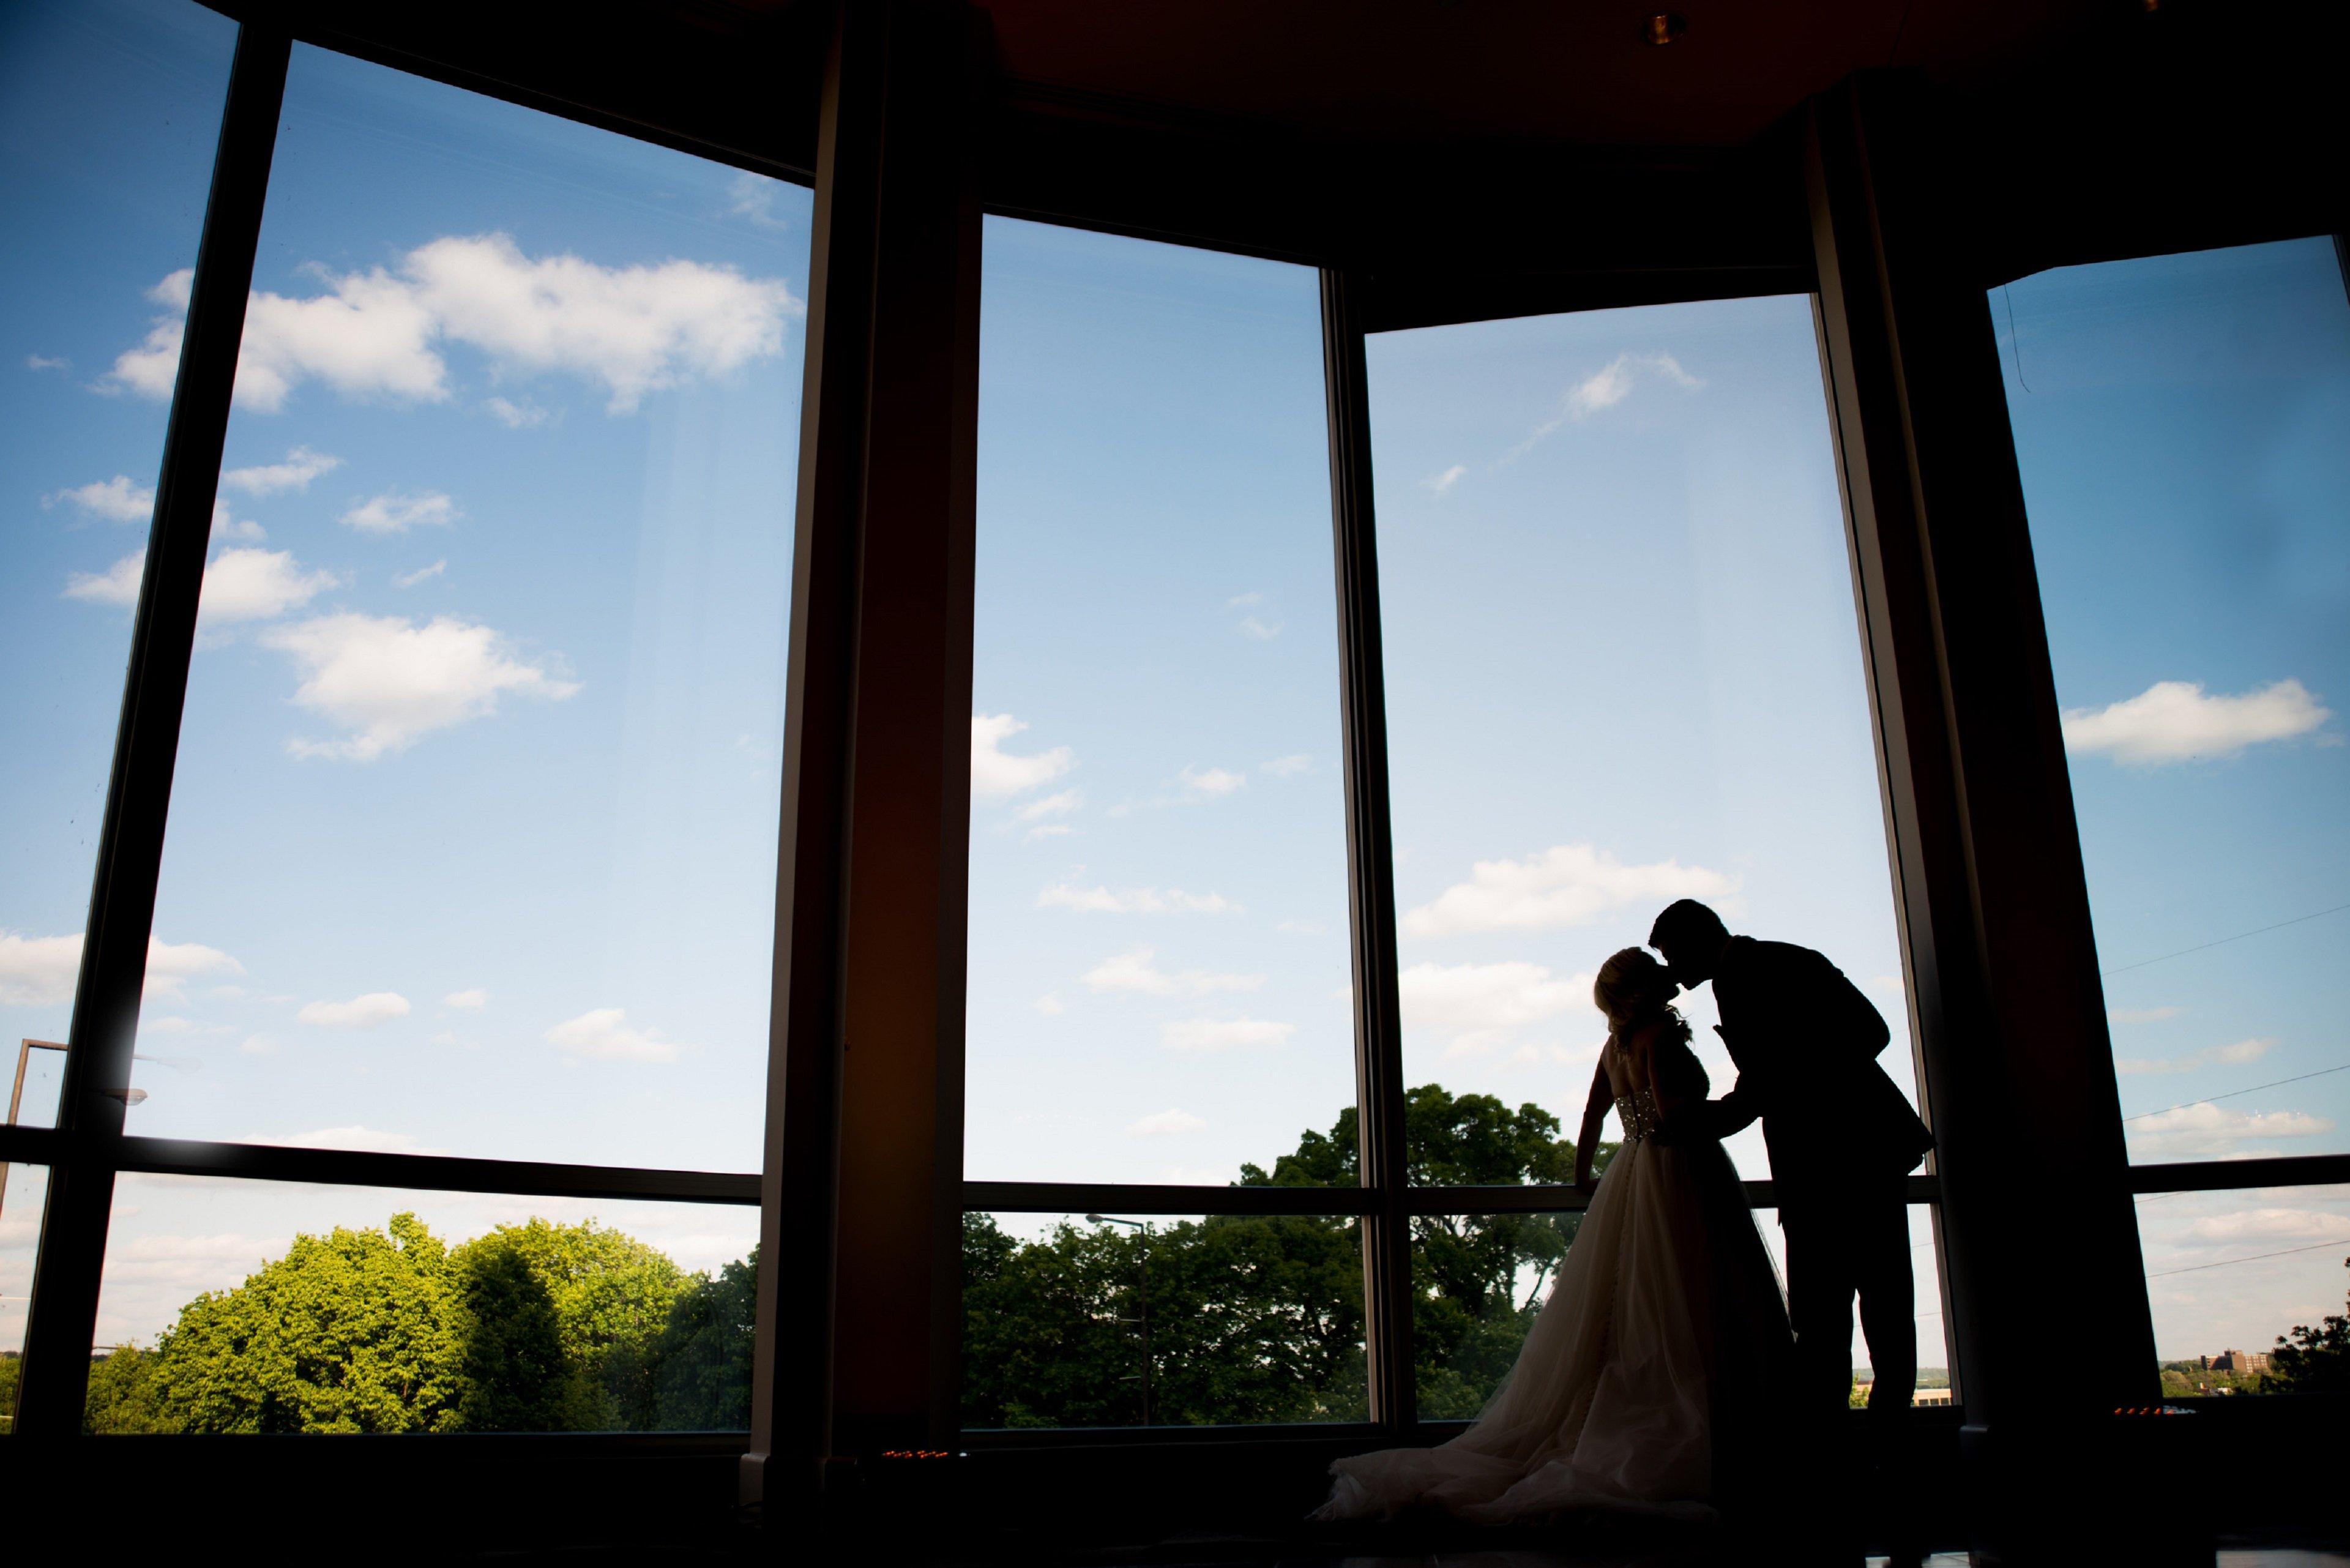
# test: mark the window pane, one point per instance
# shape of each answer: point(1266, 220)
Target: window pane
point(1228, 1319)
point(1936, 1382)
point(247, 1306)
point(1478, 1283)
point(2183, 427)
point(2229, 1274)
point(1623, 667)
point(1158, 985)
point(108, 111)
point(472, 844)
point(24, 1197)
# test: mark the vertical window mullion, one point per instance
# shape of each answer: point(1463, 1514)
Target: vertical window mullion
point(60, 1325)
point(1379, 1036)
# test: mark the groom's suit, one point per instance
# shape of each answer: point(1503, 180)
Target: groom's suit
point(1841, 1138)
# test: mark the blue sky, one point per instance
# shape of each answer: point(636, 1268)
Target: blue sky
point(472, 837)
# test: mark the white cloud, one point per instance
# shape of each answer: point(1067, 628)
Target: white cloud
point(2142, 1014)
point(117, 500)
point(171, 965)
point(1477, 1002)
point(378, 332)
point(1211, 783)
point(602, 1035)
point(369, 1140)
point(1441, 482)
point(1058, 804)
point(2259, 1225)
point(2174, 721)
point(472, 998)
point(368, 1011)
point(2232, 1056)
point(1604, 388)
point(43, 362)
point(1048, 830)
point(257, 584)
point(1263, 631)
point(2214, 1131)
point(118, 585)
point(394, 511)
point(1133, 971)
point(1288, 767)
point(1249, 600)
point(389, 681)
point(996, 773)
point(1166, 1123)
point(1050, 1004)
point(258, 1045)
point(243, 529)
point(37, 971)
point(422, 574)
point(523, 415)
point(753, 197)
point(1301, 928)
point(1100, 900)
point(1566, 885)
point(301, 466)
point(1223, 1034)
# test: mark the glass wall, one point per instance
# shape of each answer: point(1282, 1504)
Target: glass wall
point(246, 1306)
point(2229, 1274)
point(472, 839)
point(1623, 667)
point(108, 113)
point(1159, 970)
point(2183, 427)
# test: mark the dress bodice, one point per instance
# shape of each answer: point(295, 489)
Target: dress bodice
point(1637, 1112)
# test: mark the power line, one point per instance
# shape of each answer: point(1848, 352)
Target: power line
point(2256, 1088)
point(2223, 942)
point(2256, 1257)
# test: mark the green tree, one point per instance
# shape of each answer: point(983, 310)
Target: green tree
point(350, 1331)
point(123, 1397)
point(700, 1367)
point(2313, 1360)
point(561, 1325)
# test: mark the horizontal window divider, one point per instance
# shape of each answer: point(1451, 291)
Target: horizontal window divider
point(32, 1145)
point(2236, 1175)
point(432, 1172)
point(1091, 1198)
point(1541, 1199)
point(449, 1448)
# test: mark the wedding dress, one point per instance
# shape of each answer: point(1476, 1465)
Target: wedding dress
point(1666, 1323)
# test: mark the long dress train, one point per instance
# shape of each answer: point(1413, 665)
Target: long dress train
point(1667, 1316)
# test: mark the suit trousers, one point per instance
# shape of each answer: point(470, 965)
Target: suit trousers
point(1854, 1243)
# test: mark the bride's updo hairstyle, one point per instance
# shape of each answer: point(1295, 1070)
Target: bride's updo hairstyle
point(1634, 992)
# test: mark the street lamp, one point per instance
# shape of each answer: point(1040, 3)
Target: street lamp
point(1143, 1318)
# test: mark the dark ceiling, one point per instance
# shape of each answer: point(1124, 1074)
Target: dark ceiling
point(1575, 71)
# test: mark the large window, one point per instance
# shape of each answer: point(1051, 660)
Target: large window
point(1623, 667)
point(2183, 428)
point(472, 836)
point(108, 112)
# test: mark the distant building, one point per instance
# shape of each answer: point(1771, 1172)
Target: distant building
point(1930, 1396)
point(2241, 1362)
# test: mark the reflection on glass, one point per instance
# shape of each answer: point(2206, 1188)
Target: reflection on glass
point(1622, 668)
point(241, 1306)
point(2251, 1291)
point(1158, 978)
point(2183, 427)
point(472, 843)
point(1936, 1384)
point(23, 1199)
point(108, 112)
point(1115, 1321)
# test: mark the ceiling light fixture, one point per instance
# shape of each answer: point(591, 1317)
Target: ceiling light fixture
point(1664, 28)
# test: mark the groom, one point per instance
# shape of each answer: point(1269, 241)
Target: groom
point(1841, 1139)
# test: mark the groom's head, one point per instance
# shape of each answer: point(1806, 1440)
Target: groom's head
point(1691, 938)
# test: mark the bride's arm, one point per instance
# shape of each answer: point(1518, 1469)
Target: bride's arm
point(1594, 1114)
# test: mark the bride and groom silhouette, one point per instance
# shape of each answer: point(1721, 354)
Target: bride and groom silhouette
point(1666, 1371)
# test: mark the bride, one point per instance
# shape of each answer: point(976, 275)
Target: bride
point(1664, 1332)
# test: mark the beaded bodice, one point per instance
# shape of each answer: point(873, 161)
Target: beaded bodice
point(1637, 1111)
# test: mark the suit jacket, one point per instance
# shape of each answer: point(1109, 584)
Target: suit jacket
point(1806, 1043)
